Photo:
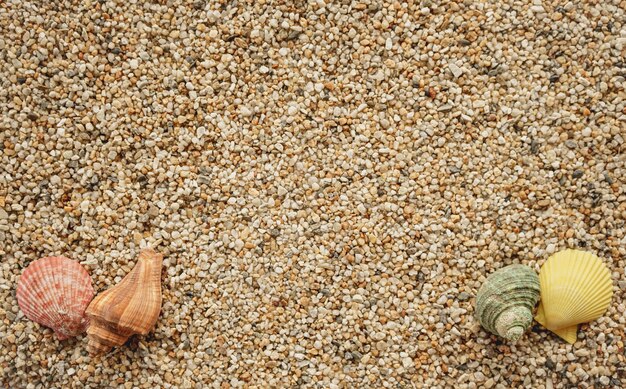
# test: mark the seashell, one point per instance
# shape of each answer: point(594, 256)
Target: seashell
point(130, 307)
point(576, 288)
point(505, 302)
point(54, 292)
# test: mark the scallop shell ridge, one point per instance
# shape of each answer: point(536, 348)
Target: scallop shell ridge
point(576, 288)
point(54, 292)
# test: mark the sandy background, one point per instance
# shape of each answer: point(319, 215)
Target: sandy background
point(331, 183)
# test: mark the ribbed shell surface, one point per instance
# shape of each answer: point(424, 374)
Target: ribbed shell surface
point(54, 292)
point(576, 288)
point(130, 307)
point(512, 286)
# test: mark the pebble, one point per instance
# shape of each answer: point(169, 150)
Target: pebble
point(581, 352)
point(245, 111)
point(537, 9)
point(455, 70)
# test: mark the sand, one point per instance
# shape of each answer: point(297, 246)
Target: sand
point(330, 184)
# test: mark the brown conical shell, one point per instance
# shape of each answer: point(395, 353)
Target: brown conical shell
point(130, 307)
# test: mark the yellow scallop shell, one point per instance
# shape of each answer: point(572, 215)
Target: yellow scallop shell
point(576, 288)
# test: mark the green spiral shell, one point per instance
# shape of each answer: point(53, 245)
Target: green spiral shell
point(505, 302)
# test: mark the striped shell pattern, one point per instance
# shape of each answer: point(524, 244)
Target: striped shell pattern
point(54, 292)
point(505, 302)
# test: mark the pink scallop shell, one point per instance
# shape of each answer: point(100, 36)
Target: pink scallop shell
point(54, 292)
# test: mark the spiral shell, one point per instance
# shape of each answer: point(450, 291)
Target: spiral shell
point(130, 307)
point(54, 292)
point(505, 302)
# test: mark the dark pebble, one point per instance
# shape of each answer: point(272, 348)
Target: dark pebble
point(202, 179)
point(534, 147)
point(577, 174)
point(293, 35)
point(374, 7)
point(274, 232)
point(494, 72)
